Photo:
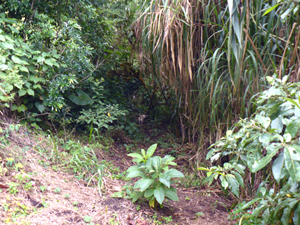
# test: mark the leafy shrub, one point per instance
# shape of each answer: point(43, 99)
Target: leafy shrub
point(156, 176)
point(267, 148)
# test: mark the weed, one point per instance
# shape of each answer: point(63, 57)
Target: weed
point(13, 188)
point(87, 219)
point(198, 214)
point(43, 188)
point(57, 190)
point(156, 177)
point(66, 196)
point(167, 219)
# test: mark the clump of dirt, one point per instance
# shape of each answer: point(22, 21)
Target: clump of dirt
point(57, 197)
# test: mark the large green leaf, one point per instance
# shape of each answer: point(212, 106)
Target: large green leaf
point(135, 173)
point(271, 152)
point(149, 193)
point(135, 155)
point(147, 182)
point(159, 194)
point(156, 163)
point(264, 121)
point(40, 107)
point(22, 92)
point(291, 165)
point(139, 183)
point(137, 195)
point(171, 194)
point(164, 179)
point(238, 177)
point(3, 67)
point(132, 168)
point(224, 182)
point(292, 128)
point(233, 185)
point(278, 167)
point(80, 98)
point(30, 92)
point(286, 216)
point(296, 217)
point(8, 46)
point(17, 60)
point(151, 150)
point(2, 38)
point(173, 173)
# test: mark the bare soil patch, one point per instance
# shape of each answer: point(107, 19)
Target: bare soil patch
point(67, 200)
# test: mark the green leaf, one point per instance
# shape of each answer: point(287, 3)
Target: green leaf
point(292, 129)
point(3, 67)
point(143, 153)
point(139, 183)
point(8, 46)
point(2, 38)
point(287, 137)
point(266, 216)
point(203, 168)
point(224, 182)
point(271, 152)
point(285, 218)
point(45, 68)
point(21, 108)
point(173, 173)
point(151, 150)
point(238, 177)
point(40, 107)
point(264, 121)
point(156, 163)
point(164, 180)
point(296, 217)
point(171, 194)
point(291, 165)
point(16, 60)
point(233, 185)
point(137, 195)
point(30, 92)
point(278, 166)
point(23, 69)
point(135, 173)
point(147, 182)
point(80, 98)
point(159, 194)
point(271, 9)
point(149, 193)
point(266, 138)
point(22, 92)
point(132, 168)
point(135, 155)
point(248, 204)
point(87, 219)
point(293, 101)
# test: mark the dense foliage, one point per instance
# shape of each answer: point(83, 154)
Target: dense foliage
point(56, 59)
point(264, 153)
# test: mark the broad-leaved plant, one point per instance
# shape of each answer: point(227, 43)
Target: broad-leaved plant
point(155, 174)
point(266, 148)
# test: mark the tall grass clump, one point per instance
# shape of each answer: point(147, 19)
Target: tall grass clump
point(215, 56)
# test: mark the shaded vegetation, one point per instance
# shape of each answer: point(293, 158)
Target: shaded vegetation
point(108, 69)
